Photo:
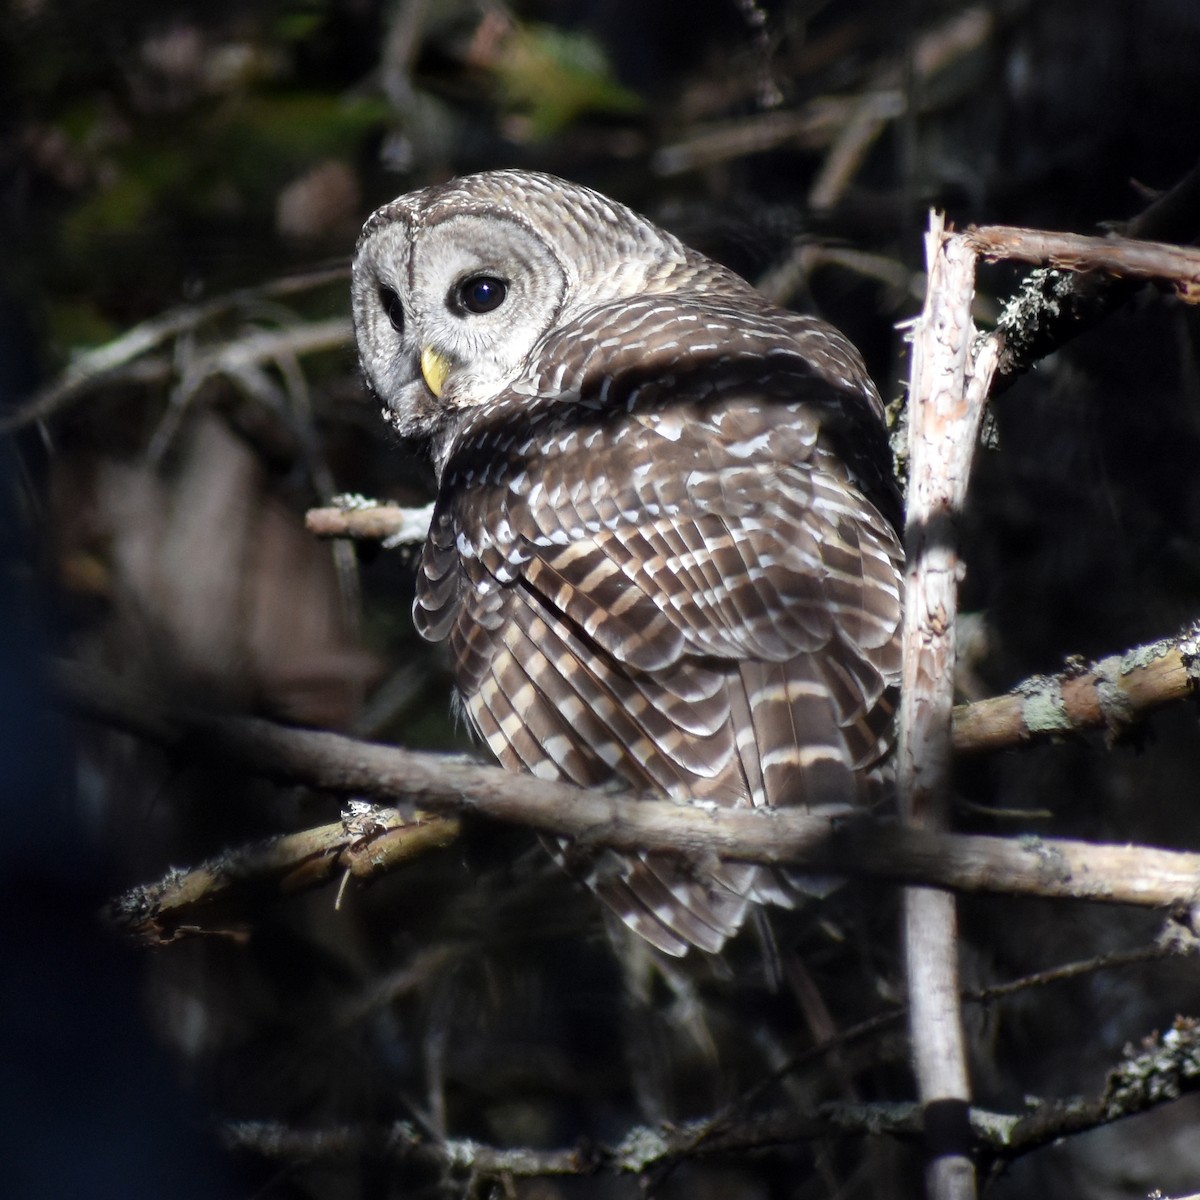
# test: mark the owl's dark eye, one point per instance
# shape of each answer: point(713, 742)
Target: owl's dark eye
point(393, 308)
point(482, 293)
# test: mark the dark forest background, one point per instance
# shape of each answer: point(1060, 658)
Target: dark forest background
point(204, 168)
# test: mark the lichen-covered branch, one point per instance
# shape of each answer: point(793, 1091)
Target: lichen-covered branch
point(1165, 1068)
point(215, 896)
point(1111, 693)
point(1058, 302)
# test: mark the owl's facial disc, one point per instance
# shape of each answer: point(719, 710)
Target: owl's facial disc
point(476, 295)
point(484, 290)
point(447, 309)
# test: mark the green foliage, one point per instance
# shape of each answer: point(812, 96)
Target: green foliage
point(79, 324)
point(553, 76)
point(283, 132)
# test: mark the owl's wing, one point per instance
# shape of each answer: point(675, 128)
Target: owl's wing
point(692, 597)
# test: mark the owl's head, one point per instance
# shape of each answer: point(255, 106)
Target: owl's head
point(455, 286)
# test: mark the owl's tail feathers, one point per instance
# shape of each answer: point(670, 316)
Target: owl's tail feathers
point(671, 906)
point(675, 908)
point(828, 722)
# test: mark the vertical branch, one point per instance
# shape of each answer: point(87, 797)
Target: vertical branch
point(946, 395)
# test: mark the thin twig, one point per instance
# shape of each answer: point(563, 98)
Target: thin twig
point(1174, 941)
point(96, 368)
point(1126, 257)
point(369, 840)
point(848, 123)
point(259, 346)
point(946, 43)
point(783, 279)
point(367, 520)
point(1053, 306)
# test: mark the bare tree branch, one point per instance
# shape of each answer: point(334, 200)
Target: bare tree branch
point(947, 392)
point(367, 520)
point(98, 367)
point(847, 124)
point(932, 52)
point(1075, 252)
point(1174, 941)
point(1135, 875)
point(1053, 306)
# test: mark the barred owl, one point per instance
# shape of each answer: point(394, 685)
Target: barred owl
point(664, 547)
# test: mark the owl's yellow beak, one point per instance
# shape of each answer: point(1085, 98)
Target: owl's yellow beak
point(434, 367)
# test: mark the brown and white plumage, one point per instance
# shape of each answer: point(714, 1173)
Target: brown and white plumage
point(663, 550)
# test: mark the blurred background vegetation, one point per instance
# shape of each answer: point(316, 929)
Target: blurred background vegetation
point(180, 191)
